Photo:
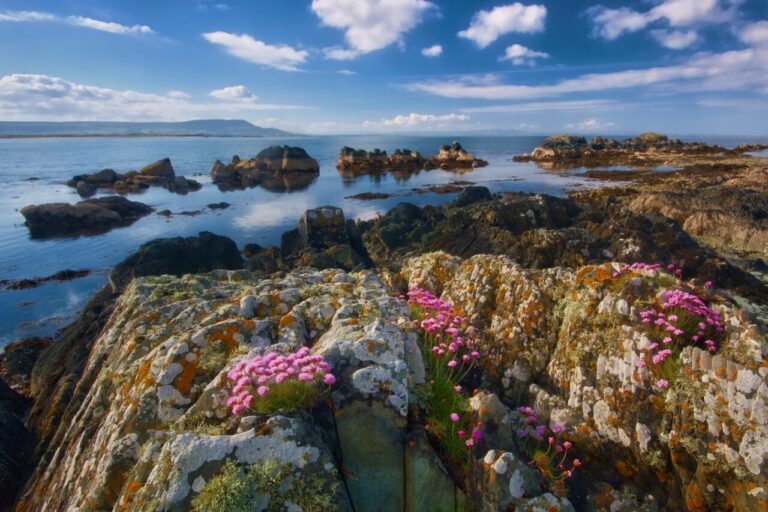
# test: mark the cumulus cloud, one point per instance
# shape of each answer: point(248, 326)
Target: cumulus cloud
point(612, 23)
point(233, 93)
point(41, 97)
point(520, 55)
point(369, 25)
point(78, 21)
point(420, 121)
point(755, 34)
point(432, 51)
point(675, 39)
point(487, 26)
point(732, 70)
point(245, 47)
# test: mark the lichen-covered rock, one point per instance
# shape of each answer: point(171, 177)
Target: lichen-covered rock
point(354, 162)
point(571, 341)
point(148, 425)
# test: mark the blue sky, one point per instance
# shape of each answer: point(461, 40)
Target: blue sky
point(357, 66)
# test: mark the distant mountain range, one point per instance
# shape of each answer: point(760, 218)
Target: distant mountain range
point(196, 128)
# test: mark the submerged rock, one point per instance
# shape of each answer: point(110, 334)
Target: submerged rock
point(89, 217)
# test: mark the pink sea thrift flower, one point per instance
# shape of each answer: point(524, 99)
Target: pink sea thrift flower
point(454, 417)
point(662, 383)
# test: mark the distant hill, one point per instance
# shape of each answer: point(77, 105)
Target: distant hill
point(199, 127)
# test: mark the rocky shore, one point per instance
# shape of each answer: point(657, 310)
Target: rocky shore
point(601, 351)
point(405, 161)
point(647, 149)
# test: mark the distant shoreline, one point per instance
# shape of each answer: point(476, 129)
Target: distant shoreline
point(122, 135)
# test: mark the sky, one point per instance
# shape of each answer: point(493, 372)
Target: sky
point(392, 66)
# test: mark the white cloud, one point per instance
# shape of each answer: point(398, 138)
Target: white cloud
point(589, 125)
point(26, 16)
point(418, 121)
point(339, 53)
point(233, 93)
point(487, 26)
point(369, 25)
point(755, 33)
point(520, 55)
point(40, 97)
point(612, 23)
point(432, 51)
point(245, 47)
point(108, 26)
point(733, 70)
point(78, 21)
point(675, 39)
point(347, 72)
point(547, 105)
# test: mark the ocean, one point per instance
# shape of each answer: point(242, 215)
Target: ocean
point(34, 171)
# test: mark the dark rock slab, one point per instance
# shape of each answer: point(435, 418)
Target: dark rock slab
point(89, 217)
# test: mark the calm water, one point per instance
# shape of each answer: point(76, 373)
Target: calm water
point(256, 215)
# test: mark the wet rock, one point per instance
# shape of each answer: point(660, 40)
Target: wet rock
point(472, 195)
point(219, 206)
point(359, 162)
point(15, 445)
point(160, 173)
point(368, 196)
point(61, 276)
point(89, 217)
point(276, 168)
point(178, 256)
point(17, 361)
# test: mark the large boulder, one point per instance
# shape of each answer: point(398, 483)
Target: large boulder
point(276, 168)
point(161, 169)
point(92, 216)
point(352, 162)
point(179, 256)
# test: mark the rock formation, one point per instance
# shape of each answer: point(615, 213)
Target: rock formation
point(277, 168)
point(404, 161)
point(160, 173)
point(89, 217)
point(562, 151)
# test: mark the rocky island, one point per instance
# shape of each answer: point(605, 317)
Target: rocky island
point(276, 168)
point(405, 161)
point(647, 149)
point(160, 173)
point(601, 351)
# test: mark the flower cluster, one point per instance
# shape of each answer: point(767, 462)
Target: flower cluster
point(449, 339)
point(259, 376)
point(680, 318)
point(534, 436)
point(475, 433)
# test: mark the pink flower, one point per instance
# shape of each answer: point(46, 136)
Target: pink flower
point(470, 443)
point(263, 390)
point(329, 379)
point(641, 363)
point(662, 384)
point(305, 377)
point(708, 284)
point(454, 417)
point(457, 389)
point(567, 445)
point(461, 434)
point(452, 363)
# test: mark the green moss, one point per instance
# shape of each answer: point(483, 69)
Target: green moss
point(236, 489)
point(232, 490)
